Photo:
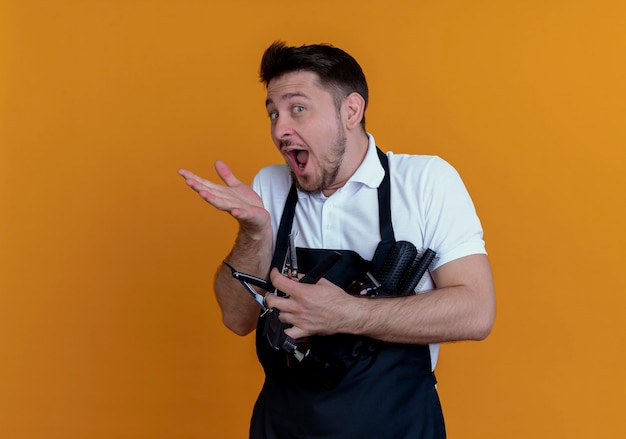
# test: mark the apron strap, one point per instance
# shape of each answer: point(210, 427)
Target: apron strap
point(284, 229)
point(384, 201)
point(387, 237)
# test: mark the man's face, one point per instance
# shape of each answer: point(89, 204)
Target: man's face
point(307, 130)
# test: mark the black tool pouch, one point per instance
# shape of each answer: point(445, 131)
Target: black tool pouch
point(320, 361)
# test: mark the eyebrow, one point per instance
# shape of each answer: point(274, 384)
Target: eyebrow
point(287, 96)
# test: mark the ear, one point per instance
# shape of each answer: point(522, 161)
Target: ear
point(353, 108)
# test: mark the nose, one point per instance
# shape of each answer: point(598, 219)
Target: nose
point(282, 128)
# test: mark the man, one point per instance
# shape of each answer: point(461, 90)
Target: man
point(375, 377)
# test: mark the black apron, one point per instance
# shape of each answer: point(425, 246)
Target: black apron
point(386, 390)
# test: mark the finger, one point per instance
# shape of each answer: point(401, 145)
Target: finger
point(195, 182)
point(280, 281)
point(296, 333)
point(226, 174)
point(185, 173)
point(188, 175)
point(214, 193)
point(273, 301)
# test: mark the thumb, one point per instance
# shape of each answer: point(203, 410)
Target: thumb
point(226, 174)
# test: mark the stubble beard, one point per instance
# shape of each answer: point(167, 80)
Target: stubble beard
point(330, 171)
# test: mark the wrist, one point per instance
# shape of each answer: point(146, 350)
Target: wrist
point(255, 235)
point(360, 314)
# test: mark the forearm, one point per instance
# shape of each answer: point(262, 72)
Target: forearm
point(252, 255)
point(461, 308)
point(447, 314)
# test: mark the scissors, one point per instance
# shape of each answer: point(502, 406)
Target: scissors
point(290, 268)
point(247, 280)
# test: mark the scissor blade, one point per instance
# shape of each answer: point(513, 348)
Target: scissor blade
point(256, 296)
point(293, 257)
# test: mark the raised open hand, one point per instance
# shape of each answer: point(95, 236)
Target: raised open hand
point(234, 197)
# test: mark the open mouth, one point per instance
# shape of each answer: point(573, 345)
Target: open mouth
point(298, 157)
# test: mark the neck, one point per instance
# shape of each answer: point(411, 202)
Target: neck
point(356, 149)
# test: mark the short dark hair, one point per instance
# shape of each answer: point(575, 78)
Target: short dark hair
point(337, 70)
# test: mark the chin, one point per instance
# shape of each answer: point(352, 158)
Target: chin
point(304, 184)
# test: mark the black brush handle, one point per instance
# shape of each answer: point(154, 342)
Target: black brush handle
point(419, 270)
point(397, 263)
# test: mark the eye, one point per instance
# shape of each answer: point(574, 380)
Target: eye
point(273, 115)
point(298, 109)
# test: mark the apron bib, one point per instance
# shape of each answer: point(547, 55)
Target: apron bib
point(378, 390)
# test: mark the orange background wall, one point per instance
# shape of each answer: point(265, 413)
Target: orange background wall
point(108, 324)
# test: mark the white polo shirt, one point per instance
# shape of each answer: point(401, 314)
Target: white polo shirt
point(430, 207)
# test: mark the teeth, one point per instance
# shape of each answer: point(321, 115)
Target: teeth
point(300, 166)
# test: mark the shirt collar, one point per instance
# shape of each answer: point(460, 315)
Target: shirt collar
point(370, 172)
